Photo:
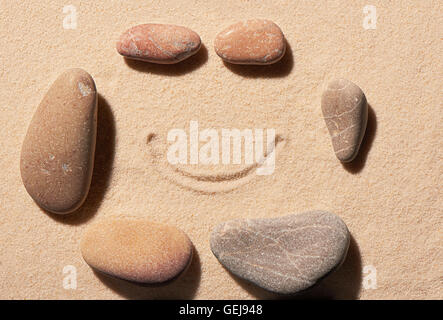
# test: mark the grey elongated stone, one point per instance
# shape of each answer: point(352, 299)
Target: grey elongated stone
point(285, 255)
point(345, 111)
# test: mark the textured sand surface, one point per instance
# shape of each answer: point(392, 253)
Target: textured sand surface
point(390, 197)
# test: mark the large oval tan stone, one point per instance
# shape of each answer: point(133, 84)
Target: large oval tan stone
point(159, 43)
point(136, 250)
point(285, 255)
point(345, 111)
point(251, 42)
point(57, 155)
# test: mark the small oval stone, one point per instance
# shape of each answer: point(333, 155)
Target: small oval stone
point(284, 255)
point(57, 155)
point(159, 43)
point(136, 250)
point(345, 111)
point(258, 42)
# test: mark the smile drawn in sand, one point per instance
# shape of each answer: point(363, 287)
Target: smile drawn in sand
point(213, 179)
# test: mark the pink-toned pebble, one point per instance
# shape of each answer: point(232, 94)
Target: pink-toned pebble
point(251, 42)
point(159, 43)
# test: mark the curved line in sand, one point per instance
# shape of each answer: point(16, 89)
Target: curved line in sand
point(208, 183)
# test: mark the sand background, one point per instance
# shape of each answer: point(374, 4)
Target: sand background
point(390, 197)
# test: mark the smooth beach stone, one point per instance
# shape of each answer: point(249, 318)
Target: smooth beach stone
point(57, 155)
point(136, 250)
point(159, 43)
point(345, 111)
point(257, 42)
point(284, 255)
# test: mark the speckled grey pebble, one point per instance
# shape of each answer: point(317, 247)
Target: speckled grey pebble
point(345, 111)
point(284, 255)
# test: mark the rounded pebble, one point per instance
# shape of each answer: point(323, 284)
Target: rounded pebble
point(159, 43)
point(258, 42)
point(345, 111)
point(57, 155)
point(284, 255)
point(136, 250)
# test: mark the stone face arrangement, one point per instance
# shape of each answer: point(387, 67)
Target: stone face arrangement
point(258, 42)
point(284, 255)
point(136, 250)
point(159, 43)
point(345, 111)
point(57, 155)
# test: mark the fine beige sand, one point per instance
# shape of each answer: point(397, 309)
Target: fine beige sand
point(390, 196)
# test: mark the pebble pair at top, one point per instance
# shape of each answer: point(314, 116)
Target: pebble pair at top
point(256, 42)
